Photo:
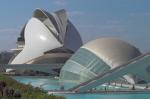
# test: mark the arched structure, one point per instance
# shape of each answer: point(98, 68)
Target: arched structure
point(97, 57)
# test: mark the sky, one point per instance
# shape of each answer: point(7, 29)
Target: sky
point(128, 20)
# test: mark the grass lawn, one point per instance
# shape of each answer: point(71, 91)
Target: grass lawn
point(26, 91)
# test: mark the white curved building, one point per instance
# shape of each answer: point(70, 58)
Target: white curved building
point(112, 51)
point(96, 57)
point(46, 35)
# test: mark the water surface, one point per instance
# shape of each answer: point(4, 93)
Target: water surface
point(48, 83)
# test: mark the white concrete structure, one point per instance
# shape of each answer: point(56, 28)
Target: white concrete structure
point(45, 32)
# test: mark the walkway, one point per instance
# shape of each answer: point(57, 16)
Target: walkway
point(138, 66)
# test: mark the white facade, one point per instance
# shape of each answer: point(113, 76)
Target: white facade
point(38, 39)
point(44, 32)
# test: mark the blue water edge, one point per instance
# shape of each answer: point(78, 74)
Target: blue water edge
point(48, 83)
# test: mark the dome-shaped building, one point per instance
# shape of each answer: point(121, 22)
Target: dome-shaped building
point(96, 57)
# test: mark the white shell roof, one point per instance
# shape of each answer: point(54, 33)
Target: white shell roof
point(47, 31)
point(67, 34)
point(113, 51)
point(38, 39)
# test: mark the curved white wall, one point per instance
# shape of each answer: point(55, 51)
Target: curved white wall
point(113, 51)
point(38, 39)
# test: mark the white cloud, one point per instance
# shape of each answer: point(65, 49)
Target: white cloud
point(140, 14)
point(146, 13)
point(75, 13)
point(9, 30)
point(110, 27)
point(60, 2)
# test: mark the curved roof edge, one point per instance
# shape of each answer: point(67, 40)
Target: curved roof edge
point(57, 19)
point(66, 30)
point(107, 45)
point(43, 42)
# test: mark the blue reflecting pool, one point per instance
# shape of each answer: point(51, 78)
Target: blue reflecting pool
point(48, 83)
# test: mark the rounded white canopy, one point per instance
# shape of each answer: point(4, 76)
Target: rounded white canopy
point(112, 51)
